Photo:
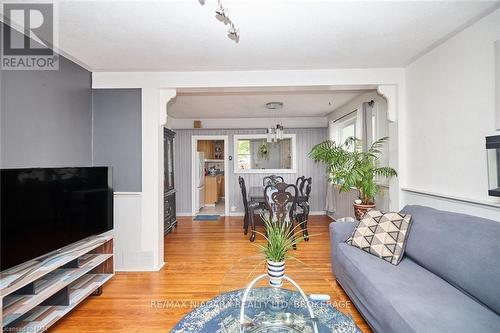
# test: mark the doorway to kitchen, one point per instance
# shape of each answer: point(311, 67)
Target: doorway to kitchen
point(210, 168)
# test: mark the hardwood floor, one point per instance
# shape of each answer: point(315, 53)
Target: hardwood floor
point(197, 255)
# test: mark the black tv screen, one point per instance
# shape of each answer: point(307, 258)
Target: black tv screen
point(44, 209)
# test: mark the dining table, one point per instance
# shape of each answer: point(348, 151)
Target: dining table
point(257, 200)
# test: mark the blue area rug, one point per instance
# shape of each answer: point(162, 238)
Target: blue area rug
point(221, 315)
point(206, 217)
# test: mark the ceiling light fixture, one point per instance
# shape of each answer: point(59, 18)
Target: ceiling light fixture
point(222, 15)
point(275, 134)
point(274, 105)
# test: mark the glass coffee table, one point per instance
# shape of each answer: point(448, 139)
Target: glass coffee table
point(269, 309)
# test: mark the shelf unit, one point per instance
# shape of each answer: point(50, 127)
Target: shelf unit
point(36, 294)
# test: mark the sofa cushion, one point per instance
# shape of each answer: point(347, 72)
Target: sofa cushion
point(382, 234)
point(462, 249)
point(407, 297)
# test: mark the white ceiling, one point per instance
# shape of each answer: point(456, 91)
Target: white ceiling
point(282, 34)
point(307, 103)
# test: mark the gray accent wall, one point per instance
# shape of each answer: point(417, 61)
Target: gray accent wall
point(117, 135)
point(46, 117)
point(306, 139)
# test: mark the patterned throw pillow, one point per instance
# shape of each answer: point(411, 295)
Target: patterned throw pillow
point(382, 234)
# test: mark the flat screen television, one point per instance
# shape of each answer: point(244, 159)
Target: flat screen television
point(44, 209)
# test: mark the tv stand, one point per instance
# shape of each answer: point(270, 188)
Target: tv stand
point(36, 294)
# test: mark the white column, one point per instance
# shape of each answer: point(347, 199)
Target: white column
point(165, 96)
point(497, 84)
point(390, 93)
point(154, 116)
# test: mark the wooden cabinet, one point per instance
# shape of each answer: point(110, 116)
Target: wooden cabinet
point(214, 187)
point(214, 150)
point(169, 214)
point(168, 159)
point(207, 147)
point(220, 186)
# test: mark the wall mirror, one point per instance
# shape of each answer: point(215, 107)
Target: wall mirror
point(253, 154)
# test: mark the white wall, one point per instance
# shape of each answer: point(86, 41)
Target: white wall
point(450, 110)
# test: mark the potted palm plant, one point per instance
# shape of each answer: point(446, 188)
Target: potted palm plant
point(351, 167)
point(280, 239)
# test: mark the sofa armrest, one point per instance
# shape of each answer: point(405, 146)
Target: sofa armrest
point(339, 232)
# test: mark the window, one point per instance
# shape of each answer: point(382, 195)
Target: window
point(244, 156)
point(347, 129)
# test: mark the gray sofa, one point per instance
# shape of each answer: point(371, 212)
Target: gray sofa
point(448, 280)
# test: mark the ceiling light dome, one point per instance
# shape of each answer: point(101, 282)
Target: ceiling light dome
point(274, 105)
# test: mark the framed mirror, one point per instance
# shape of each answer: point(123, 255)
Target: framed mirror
point(253, 154)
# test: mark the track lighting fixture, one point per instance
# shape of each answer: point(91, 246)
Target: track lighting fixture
point(222, 15)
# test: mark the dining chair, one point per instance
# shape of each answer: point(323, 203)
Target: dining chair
point(272, 180)
point(247, 206)
point(303, 208)
point(281, 200)
point(300, 183)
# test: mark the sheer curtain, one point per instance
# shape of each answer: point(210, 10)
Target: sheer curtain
point(364, 119)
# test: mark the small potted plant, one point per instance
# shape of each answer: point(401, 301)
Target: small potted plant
point(350, 167)
point(280, 239)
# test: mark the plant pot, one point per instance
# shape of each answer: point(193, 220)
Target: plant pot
point(276, 272)
point(360, 210)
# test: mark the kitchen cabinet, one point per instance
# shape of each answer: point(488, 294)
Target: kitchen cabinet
point(214, 150)
point(207, 147)
point(220, 184)
point(214, 186)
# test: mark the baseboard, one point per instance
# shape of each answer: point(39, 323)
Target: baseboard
point(236, 214)
point(160, 267)
point(184, 214)
point(317, 212)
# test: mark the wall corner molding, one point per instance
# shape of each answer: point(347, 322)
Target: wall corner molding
point(389, 92)
point(166, 95)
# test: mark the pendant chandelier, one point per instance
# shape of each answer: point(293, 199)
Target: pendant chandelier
point(275, 134)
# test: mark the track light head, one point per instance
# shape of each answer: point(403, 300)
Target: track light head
point(233, 33)
point(221, 14)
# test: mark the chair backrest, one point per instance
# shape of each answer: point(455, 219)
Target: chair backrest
point(307, 190)
point(272, 180)
point(243, 188)
point(299, 183)
point(281, 200)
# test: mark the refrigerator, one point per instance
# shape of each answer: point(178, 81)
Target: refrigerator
point(199, 181)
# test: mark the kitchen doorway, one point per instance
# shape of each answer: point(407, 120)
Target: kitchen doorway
point(210, 170)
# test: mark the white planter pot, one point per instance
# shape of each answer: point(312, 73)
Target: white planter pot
point(275, 271)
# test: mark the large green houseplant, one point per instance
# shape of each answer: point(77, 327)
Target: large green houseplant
point(350, 167)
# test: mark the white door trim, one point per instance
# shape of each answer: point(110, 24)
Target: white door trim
point(194, 150)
